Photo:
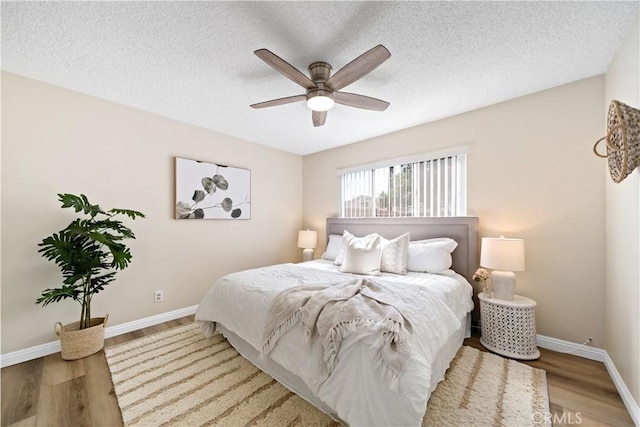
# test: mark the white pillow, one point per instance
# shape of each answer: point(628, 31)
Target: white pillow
point(431, 256)
point(434, 240)
point(395, 254)
point(333, 247)
point(362, 256)
point(346, 238)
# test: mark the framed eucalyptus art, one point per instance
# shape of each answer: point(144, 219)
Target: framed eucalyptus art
point(212, 191)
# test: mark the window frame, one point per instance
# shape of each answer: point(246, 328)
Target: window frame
point(459, 153)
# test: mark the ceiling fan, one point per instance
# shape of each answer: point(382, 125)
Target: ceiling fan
point(323, 89)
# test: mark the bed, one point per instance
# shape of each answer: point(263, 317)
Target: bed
point(355, 392)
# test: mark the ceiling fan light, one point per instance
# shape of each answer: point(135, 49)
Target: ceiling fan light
point(321, 100)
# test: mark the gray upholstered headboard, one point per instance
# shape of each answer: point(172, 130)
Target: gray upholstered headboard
point(463, 230)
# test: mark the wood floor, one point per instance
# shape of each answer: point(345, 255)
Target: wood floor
point(52, 392)
point(580, 390)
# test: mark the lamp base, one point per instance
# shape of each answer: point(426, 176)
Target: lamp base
point(307, 254)
point(503, 282)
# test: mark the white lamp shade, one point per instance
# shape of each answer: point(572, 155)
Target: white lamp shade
point(307, 239)
point(502, 254)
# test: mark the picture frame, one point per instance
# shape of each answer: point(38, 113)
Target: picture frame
point(205, 190)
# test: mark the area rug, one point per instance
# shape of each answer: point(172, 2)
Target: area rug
point(180, 377)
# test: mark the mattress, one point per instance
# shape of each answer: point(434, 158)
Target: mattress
point(354, 393)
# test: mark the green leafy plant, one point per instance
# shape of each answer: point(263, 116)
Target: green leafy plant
point(89, 251)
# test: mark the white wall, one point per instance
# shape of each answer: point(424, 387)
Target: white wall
point(531, 174)
point(622, 304)
point(57, 141)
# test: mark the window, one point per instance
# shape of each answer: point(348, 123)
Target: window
point(427, 185)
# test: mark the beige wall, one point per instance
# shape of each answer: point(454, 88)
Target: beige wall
point(55, 140)
point(622, 304)
point(531, 174)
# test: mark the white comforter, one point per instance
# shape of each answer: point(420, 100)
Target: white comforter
point(357, 393)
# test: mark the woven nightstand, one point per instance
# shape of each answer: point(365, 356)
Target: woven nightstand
point(509, 327)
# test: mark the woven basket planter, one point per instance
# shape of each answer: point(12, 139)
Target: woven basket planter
point(78, 343)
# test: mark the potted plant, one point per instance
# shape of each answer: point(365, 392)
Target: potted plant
point(89, 252)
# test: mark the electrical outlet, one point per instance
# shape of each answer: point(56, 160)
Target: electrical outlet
point(158, 296)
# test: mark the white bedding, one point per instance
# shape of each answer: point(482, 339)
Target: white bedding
point(356, 393)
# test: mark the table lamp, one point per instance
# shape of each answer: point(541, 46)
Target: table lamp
point(307, 240)
point(503, 256)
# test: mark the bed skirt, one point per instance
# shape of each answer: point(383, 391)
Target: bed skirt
point(295, 384)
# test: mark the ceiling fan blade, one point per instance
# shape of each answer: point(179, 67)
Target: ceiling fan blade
point(284, 68)
point(279, 101)
point(360, 101)
point(359, 67)
point(319, 117)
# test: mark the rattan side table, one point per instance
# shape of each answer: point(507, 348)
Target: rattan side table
point(509, 327)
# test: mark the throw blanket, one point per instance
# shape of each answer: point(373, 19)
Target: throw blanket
point(332, 312)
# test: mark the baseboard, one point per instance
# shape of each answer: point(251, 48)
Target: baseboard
point(46, 349)
point(149, 321)
point(599, 355)
point(562, 346)
point(625, 394)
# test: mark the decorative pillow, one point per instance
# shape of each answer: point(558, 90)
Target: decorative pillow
point(395, 254)
point(346, 238)
point(362, 256)
point(431, 256)
point(333, 247)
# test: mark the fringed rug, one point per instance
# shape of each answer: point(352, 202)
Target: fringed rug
point(178, 378)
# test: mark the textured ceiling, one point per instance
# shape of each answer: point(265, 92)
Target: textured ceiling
point(194, 61)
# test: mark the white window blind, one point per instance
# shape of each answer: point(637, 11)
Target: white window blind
point(434, 186)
